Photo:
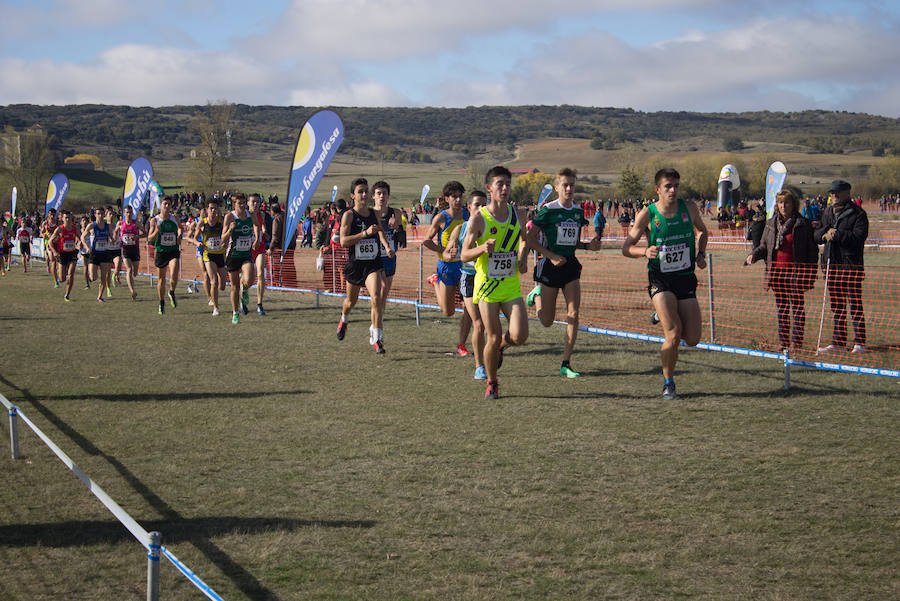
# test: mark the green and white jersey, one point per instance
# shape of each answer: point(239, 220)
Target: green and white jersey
point(242, 236)
point(167, 238)
point(561, 226)
point(675, 238)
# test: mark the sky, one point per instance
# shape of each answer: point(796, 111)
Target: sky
point(649, 55)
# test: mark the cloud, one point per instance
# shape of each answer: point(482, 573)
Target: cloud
point(758, 65)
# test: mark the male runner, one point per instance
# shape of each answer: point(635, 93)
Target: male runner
point(129, 233)
point(207, 232)
point(449, 270)
point(63, 240)
point(4, 247)
point(48, 227)
point(240, 229)
point(494, 241)
point(676, 243)
point(560, 222)
point(258, 253)
point(85, 252)
point(23, 236)
point(360, 234)
point(165, 235)
point(96, 238)
point(113, 249)
point(477, 199)
point(390, 221)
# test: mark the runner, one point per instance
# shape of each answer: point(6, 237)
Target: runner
point(96, 237)
point(477, 199)
point(258, 252)
point(48, 227)
point(559, 223)
point(114, 248)
point(449, 270)
point(208, 232)
point(494, 241)
point(5, 247)
point(240, 229)
point(390, 222)
point(676, 243)
point(63, 240)
point(360, 233)
point(129, 233)
point(84, 252)
point(165, 235)
point(23, 236)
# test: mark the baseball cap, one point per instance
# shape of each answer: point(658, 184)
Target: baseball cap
point(839, 185)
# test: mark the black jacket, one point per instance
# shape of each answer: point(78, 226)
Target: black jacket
point(852, 225)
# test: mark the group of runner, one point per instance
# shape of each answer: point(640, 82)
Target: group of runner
point(232, 247)
point(483, 245)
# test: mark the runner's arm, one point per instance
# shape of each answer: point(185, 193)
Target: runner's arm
point(702, 234)
point(452, 250)
point(429, 242)
point(641, 222)
point(470, 252)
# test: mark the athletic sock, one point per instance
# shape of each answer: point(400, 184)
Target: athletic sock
point(566, 364)
point(344, 318)
point(668, 381)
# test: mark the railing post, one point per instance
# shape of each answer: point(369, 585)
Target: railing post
point(153, 567)
point(712, 301)
point(787, 369)
point(317, 297)
point(14, 432)
point(419, 287)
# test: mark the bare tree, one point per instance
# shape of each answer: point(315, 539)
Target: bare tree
point(210, 160)
point(27, 160)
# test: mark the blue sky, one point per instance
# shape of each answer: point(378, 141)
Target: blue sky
point(699, 55)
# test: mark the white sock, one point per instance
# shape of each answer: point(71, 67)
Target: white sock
point(343, 318)
point(379, 334)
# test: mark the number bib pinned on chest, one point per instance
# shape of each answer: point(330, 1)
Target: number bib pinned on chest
point(674, 257)
point(501, 265)
point(366, 249)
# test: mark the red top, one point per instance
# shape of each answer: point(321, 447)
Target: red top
point(785, 255)
point(66, 240)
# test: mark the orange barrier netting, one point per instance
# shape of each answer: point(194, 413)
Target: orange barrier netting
point(614, 297)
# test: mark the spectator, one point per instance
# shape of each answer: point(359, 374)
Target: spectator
point(790, 252)
point(757, 224)
point(843, 230)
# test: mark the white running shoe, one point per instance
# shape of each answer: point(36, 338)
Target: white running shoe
point(858, 349)
point(215, 311)
point(828, 349)
point(211, 303)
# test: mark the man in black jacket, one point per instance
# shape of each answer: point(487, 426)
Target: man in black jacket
point(843, 230)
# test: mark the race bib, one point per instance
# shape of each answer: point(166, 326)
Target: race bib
point(567, 233)
point(366, 249)
point(501, 265)
point(129, 239)
point(168, 239)
point(674, 257)
point(68, 245)
point(242, 244)
point(100, 244)
point(214, 243)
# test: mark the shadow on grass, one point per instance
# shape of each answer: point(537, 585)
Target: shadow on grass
point(172, 396)
point(95, 532)
point(246, 582)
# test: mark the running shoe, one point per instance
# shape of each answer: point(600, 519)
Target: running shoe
point(108, 292)
point(56, 285)
point(858, 349)
point(235, 318)
point(492, 392)
point(67, 299)
point(568, 372)
point(372, 338)
point(211, 303)
point(172, 299)
point(462, 351)
point(536, 291)
point(100, 299)
point(668, 392)
point(245, 297)
point(134, 296)
point(215, 312)
point(829, 349)
point(654, 319)
point(342, 329)
point(87, 286)
point(260, 310)
point(162, 308)
point(379, 347)
point(480, 374)
point(244, 308)
point(432, 279)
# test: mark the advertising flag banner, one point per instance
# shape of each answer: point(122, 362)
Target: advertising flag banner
point(15, 194)
point(545, 193)
point(425, 190)
point(137, 183)
point(774, 182)
point(156, 192)
point(333, 194)
point(318, 142)
point(56, 192)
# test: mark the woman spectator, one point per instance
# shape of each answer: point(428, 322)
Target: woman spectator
point(791, 256)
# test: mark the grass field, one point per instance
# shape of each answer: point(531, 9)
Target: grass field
point(281, 464)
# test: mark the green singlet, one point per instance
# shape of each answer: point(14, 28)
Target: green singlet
point(242, 237)
point(675, 238)
point(560, 226)
point(167, 237)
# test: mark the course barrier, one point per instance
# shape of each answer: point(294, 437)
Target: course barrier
point(150, 540)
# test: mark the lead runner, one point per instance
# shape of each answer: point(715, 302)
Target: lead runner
point(676, 243)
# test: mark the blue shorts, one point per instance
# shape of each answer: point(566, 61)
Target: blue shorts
point(449, 273)
point(390, 266)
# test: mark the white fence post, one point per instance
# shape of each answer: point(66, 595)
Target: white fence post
point(153, 567)
point(13, 432)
